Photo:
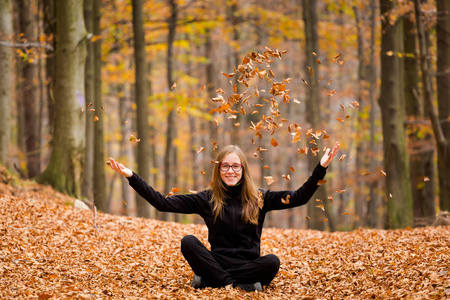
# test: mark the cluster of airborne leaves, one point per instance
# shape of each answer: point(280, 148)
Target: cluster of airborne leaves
point(49, 249)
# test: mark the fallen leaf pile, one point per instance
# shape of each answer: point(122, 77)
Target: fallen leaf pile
point(51, 250)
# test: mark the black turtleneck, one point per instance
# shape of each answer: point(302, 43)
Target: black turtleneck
point(229, 235)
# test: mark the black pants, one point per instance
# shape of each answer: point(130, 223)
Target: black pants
point(218, 271)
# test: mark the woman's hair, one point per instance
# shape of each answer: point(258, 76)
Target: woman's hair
point(250, 193)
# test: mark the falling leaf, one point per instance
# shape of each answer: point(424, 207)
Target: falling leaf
point(292, 169)
point(108, 163)
point(355, 104)
point(220, 91)
point(227, 75)
point(314, 53)
point(321, 207)
point(178, 109)
point(304, 81)
point(342, 106)
point(318, 61)
point(174, 85)
point(90, 104)
point(311, 71)
point(383, 173)
point(331, 93)
point(390, 53)
point(330, 198)
point(340, 191)
point(92, 109)
point(390, 195)
point(426, 179)
point(318, 200)
point(336, 57)
point(201, 149)
point(325, 220)
point(266, 167)
point(342, 157)
point(203, 172)
point(214, 146)
point(269, 180)
point(203, 87)
point(237, 124)
point(341, 62)
point(103, 108)
point(340, 120)
point(274, 143)
point(329, 81)
point(287, 177)
point(325, 136)
point(307, 218)
point(366, 173)
point(345, 213)
point(95, 119)
point(134, 139)
point(320, 182)
point(125, 203)
point(286, 201)
point(216, 121)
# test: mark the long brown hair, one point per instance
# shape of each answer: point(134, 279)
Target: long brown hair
point(250, 193)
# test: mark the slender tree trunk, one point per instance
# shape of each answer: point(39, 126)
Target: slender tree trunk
point(372, 206)
point(6, 67)
point(50, 30)
point(89, 86)
point(443, 96)
point(141, 103)
point(30, 93)
point(170, 155)
point(312, 106)
point(400, 205)
point(99, 141)
point(421, 157)
point(361, 152)
point(65, 168)
point(125, 150)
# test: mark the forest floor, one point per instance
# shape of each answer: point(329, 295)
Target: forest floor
point(50, 249)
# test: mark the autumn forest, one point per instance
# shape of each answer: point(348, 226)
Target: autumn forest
point(162, 85)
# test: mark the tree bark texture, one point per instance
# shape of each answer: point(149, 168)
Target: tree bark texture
point(6, 82)
point(399, 198)
point(100, 199)
point(422, 153)
point(65, 167)
point(313, 105)
point(443, 96)
point(30, 93)
point(170, 155)
point(143, 158)
point(88, 169)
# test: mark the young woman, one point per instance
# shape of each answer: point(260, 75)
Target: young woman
point(233, 209)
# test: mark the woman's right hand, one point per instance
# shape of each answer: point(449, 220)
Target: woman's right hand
point(120, 168)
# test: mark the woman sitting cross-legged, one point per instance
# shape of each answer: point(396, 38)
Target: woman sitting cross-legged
point(233, 209)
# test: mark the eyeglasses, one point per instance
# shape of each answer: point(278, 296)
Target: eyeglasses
point(226, 167)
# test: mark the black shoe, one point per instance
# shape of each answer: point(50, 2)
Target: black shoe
point(196, 282)
point(250, 287)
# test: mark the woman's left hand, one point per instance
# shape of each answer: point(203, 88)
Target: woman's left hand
point(328, 156)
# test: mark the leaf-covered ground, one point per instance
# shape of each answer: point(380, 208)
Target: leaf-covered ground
point(49, 249)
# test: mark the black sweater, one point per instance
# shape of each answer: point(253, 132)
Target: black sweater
point(229, 235)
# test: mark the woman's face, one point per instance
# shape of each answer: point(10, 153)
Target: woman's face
point(231, 177)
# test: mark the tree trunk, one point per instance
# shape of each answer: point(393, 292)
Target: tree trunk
point(443, 96)
point(361, 153)
point(141, 103)
point(372, 206)
point(65, 167)
point(170, 155)
point(421, 157)
point(50, 30)
point(30, 93)
point(312, 106)
point(89, 86)
point(400, 205)
point(99, 142)
point(6, 67)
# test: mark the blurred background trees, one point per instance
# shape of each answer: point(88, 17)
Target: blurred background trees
point(160, 85)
